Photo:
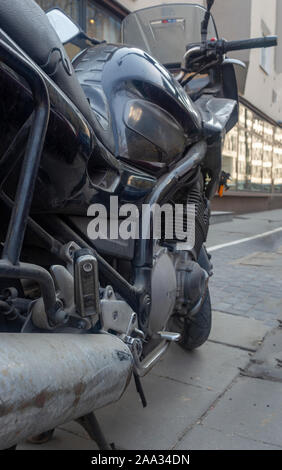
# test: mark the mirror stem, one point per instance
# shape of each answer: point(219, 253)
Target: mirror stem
point(205, 22)
point(204, 26)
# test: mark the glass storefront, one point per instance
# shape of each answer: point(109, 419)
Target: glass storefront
point(252, 154)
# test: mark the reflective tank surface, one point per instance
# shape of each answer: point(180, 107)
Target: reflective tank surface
point(143, 112)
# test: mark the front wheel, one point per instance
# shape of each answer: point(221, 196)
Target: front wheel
point(196, 330)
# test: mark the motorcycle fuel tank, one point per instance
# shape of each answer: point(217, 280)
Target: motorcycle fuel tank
point(144, 114)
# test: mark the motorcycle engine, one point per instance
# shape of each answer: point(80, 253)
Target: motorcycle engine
point(164, 290)
point(178, 285)
point(178, 282)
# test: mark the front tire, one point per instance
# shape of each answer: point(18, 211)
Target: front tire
point(196, 330)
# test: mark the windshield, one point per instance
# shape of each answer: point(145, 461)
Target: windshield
point(165, 30)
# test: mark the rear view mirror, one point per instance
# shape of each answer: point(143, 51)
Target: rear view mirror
point(210, 4)
point(65, 28)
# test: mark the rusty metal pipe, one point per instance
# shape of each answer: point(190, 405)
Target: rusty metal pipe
point(49, 379)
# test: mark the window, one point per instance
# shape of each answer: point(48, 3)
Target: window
point(242, 159)
point(265, 60)
point(101, 24)
point(265, 57)
point(97, 21)
point(256, 166)
point(69, 6)
point(229, 156)
point(277, 161)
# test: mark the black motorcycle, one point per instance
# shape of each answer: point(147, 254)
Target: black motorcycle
point(85, 146)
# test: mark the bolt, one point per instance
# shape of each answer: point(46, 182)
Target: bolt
point(60, 317)
point(87, 267)
point(71, 251)
point(110, 292)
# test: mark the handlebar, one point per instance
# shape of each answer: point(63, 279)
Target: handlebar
point(267, 41)
point(210, 51)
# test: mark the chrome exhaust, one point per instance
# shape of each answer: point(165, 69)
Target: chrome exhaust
point(49, 379)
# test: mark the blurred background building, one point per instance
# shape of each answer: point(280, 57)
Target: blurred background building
point(253, 149)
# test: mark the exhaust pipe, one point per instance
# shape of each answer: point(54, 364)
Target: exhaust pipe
point(49, 379)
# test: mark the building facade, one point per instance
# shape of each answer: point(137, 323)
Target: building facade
point(253, 149)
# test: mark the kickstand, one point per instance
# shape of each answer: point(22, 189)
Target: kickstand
point(90, 424)
point(140, 390)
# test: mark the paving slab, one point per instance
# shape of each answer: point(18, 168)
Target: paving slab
point(212, 366)
point(251, 408)
point(241, 332)
point(263, 259)
point(172, 408)
point(184, 386)
point(247, 279)
point(204, 438)
point(61, 440)
point(267, 361)
point(179, 390)
point(170, 380)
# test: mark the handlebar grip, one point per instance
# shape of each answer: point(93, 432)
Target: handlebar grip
point(267, 41)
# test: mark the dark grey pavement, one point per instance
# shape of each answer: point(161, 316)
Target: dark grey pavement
point(227, 394)
point(248, 276)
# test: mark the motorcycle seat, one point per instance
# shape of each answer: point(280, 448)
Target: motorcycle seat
point(28, 26)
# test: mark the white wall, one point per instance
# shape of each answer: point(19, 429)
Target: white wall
point(260, 85)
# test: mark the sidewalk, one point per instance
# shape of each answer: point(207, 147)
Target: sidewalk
point(248, 276)
point(227, 394)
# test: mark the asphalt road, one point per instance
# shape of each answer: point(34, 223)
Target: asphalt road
point(227, 394)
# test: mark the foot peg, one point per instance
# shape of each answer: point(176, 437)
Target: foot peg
point(86, 283)
point(169, 336)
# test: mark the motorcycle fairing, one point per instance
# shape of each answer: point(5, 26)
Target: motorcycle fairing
point(217, 114)
point(114, 75)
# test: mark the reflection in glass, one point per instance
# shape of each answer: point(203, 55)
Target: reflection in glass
point(259, 153)
point(258, 125)
point(249, 119)
point(277, 168)
point(278, 135)
point(242, 159)
point(229, 156)
point(267, 156)
point(256, 165)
